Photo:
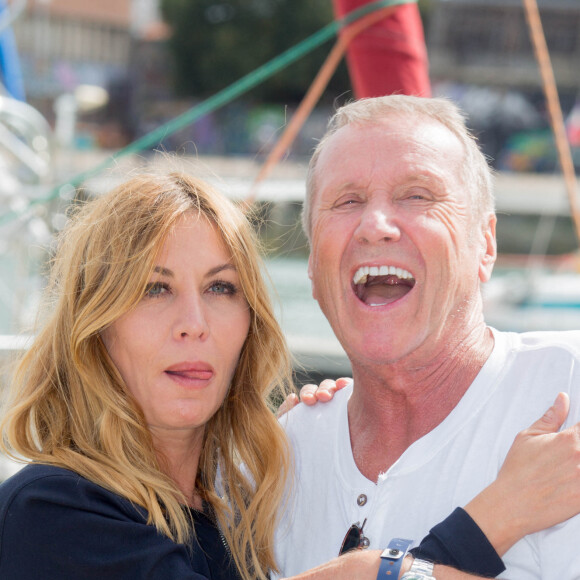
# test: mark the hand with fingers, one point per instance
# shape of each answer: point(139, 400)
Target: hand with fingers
point(324, 392)
point(538, 485)
point(311, 394)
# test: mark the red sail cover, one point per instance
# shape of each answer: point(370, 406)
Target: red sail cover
point(390, 56)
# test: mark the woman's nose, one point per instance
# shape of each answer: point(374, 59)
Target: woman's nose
point(191, 319)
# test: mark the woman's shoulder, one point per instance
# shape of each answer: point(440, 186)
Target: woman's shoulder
point(48, 488)
point(37, 475)
point(35, 472)
point(53, 519)
point(30, 477)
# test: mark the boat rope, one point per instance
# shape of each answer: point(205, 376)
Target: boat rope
point(313, 95)
point(554, 110)
point(211, 104)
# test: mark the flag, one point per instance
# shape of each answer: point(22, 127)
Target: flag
point(389, 56)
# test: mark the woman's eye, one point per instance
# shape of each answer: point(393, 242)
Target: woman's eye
point(155, 289)
point(222, 288)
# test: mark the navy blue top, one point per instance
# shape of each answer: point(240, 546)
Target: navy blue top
point(459, 542)
point(57, 525)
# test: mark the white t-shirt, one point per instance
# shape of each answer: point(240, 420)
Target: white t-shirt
point(444, 469)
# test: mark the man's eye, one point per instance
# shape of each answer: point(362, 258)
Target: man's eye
point(155, 289)
point(419, 193)
point(346, 202)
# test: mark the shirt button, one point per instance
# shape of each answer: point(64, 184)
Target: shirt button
point(361, 500)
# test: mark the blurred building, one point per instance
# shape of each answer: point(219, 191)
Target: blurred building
point(481, 56)
point(63, 44)
point(487, 42)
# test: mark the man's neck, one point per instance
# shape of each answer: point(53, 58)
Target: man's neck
point(394, 405)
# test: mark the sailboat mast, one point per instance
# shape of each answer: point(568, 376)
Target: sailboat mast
point(554, 110)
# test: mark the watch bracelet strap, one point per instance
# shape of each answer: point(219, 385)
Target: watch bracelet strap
point(422, 567)
point(392, 559)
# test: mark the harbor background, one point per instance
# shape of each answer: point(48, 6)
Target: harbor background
point(532, 212)
point(96, 78)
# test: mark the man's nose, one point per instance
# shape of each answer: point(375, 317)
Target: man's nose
point(378, 223)
point(191, 319)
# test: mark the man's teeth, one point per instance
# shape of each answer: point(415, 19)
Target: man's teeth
point(364, 272)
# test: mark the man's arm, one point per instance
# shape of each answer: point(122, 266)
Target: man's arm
point(364, 565)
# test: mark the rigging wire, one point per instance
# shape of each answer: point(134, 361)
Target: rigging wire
point(313, 95)
point(554, 110)
point(219, 99)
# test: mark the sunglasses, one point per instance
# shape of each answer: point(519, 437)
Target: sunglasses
point(354, 539)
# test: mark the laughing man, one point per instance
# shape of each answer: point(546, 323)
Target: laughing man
point(401, 223)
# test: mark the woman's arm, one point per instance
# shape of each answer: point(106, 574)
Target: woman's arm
point(538, 485)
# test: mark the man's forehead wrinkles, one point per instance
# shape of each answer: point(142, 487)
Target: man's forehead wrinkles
point(334, 189)
point(426, 176)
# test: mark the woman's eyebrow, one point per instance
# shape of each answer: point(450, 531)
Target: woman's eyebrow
point(216, 270)
point(221, 268)
point(164, 271)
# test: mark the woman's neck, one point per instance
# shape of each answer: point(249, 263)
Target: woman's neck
point(178, 454)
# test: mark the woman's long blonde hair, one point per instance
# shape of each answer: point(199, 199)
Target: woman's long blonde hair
point(68, 405)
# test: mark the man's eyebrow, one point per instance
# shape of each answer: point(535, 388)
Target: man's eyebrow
point(348, 185)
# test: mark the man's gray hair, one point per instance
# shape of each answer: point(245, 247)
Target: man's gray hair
point(477, 174)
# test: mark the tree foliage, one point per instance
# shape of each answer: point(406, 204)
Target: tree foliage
point(215, 43)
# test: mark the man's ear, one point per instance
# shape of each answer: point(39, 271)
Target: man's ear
point(489, 254)
point(310, 275)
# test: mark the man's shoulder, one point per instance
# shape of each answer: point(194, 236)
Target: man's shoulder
point(308, 421)
point(557, 340)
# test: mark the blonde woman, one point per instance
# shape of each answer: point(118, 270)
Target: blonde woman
point(144, 393)
point(156, 253)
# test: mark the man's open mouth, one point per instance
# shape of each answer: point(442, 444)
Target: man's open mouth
point(381, 285)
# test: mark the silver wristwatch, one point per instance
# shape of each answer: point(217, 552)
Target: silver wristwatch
point(419, 570)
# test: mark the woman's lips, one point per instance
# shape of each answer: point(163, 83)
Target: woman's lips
point(197, 371)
